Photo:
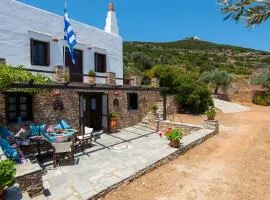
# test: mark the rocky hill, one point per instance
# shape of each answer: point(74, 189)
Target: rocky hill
point(194, 55)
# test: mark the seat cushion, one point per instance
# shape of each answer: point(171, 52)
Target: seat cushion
point(62, 125)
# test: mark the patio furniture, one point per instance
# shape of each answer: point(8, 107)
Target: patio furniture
point(62, 150)
point(86, 138)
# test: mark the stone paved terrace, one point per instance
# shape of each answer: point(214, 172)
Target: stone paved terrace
point(105, 164)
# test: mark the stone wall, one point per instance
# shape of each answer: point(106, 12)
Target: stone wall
point(186, 128)
point(29, 178)
point(172, 105)
point(132, 117)
point(44, 112)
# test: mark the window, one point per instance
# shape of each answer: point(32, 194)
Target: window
point(19, 106)
point(132, 101)
point(40, 53)
point(100, 63)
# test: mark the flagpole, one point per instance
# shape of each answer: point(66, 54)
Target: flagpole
point(64, 56)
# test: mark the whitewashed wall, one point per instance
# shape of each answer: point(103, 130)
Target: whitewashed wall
point(20, 22)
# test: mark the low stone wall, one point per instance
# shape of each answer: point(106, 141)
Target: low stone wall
point(29, 178)
point(186, 128)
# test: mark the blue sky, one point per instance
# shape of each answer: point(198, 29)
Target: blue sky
point(149, 20)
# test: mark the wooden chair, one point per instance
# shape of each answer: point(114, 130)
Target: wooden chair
point(86, 138)
point(62, 150)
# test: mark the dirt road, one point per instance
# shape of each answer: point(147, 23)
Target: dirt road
point(234, 164)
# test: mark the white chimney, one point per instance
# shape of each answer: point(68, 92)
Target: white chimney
point(111, 21)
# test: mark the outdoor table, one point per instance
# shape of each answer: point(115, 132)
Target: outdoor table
point(54, 138)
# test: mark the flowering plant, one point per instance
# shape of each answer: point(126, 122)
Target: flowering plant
point(172, 134)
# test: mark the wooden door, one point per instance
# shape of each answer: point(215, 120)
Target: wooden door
point(93, 111)
point(75, 70)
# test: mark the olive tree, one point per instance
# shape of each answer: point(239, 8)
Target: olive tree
point(253, 12)
point(220, 79)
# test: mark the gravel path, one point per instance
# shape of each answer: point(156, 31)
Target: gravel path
point(228, 107)
point(233, 165)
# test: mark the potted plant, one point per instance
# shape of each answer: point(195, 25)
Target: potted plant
point(211, 113)
point(113, 122)
point(174, 136)
point(154, 108)
point(92, 77)
point(7, 176)
point(210, 122)
point(66, 76)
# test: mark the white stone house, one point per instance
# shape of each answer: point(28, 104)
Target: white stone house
point(34, 38)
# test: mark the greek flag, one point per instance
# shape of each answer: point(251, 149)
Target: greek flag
point(69, 36)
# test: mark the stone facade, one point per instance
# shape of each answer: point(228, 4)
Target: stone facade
point(146, 98)
point(111, 78)
point(43, 111)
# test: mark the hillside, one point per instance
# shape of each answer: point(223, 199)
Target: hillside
point(193, 55)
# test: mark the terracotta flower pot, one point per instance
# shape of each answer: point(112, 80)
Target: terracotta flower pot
point(113, 124)
point(91, 79)
point(175, 143)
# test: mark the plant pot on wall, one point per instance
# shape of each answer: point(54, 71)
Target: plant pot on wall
point(175, 143)
point(91, 79)
point(113, 122)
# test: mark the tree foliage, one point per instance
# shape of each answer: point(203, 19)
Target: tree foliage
point(262, 80)
point(253, 12)
point(10, 75)
point(192, 95)
point(220, 79)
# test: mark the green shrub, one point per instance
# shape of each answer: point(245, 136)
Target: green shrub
point(174, 134)
point(7, 173)
point(262, 100)
point(263, 80)
point(10, 75)
point(211, 113)
point(92, 73)
point(113, 115)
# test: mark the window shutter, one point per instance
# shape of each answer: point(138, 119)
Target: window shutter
point(104, 63)
point(96, 62)
point(48, 54)
point(31, 50)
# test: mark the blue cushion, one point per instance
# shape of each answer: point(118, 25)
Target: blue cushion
point(9, 151)
point(5, 133)
point(62, 125)
point(37, 129)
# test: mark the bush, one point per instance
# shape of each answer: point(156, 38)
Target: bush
point(10, 75)
point(7, 173)
point(193, 96)
point(262, 100)
point(262, 80)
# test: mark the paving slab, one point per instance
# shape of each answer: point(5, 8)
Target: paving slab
point(112, 159)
